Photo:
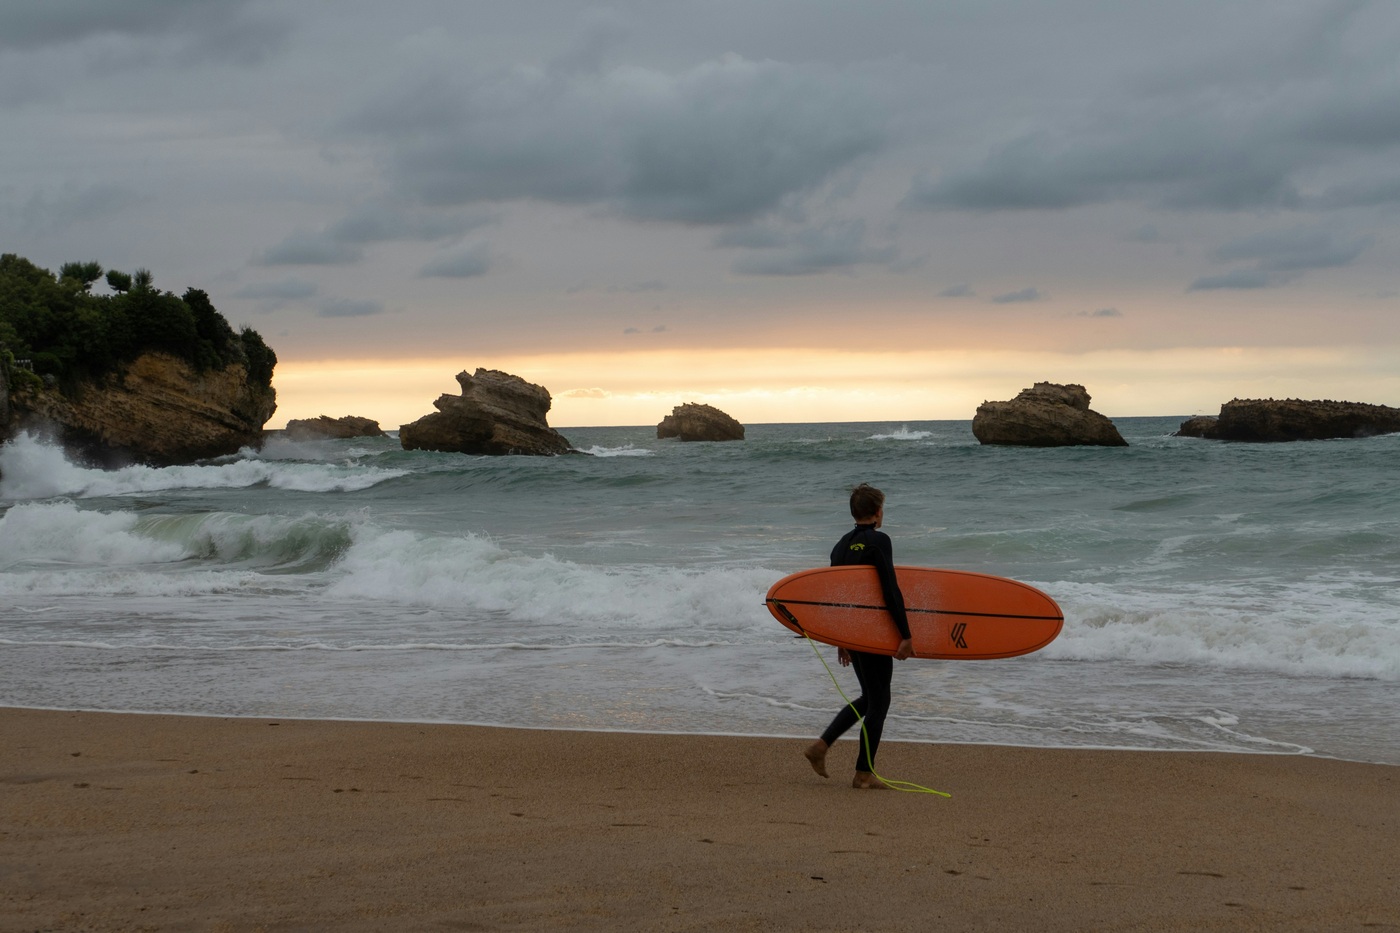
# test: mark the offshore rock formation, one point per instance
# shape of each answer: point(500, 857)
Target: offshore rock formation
point(1045, 415)
point(497, 413)
point(315, 429)
point(1292, 420)
point(695, 422)
point(157, 410)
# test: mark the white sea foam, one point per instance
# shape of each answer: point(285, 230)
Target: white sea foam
point(474, 573)
point(61, 533)
point(903, 434)
point(627, 450)
point(31, 469)
point(1314, 629)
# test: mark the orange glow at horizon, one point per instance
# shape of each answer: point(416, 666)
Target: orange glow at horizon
point(797, 385)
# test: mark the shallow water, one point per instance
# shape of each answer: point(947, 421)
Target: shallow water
point(1217, 596)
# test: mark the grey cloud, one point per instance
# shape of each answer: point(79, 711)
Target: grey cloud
point(460, 264)
point(1025, 294)
point(1101, 312)
point(1251, 134)
point(723, 142)
point(380, 222)
point(222, 30)
point(51, 212)
point(342, 242)
point(957, 291)
point(1294, 250)
point(1240, 278)
point(284, 290)
point(830, 247)
point(349, 307)
point(1280, 257)
point(305, 248)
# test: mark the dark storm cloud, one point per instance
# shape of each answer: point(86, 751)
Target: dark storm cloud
point(830, 247)
point(725, 141)
point(224, 30)
point(1320, 99)
point(1281, 257)
point(1025, 294)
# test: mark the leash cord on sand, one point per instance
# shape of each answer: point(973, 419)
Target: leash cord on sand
point(908, 787)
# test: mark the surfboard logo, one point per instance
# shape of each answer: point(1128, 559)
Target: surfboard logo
point(957, 634)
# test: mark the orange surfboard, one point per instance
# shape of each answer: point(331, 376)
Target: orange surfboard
point(953, 614)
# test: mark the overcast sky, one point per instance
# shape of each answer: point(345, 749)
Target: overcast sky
point(804, 210)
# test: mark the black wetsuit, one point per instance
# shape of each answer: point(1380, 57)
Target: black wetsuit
point(865, 545)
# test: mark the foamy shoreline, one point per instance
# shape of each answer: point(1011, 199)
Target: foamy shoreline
point(116, 821)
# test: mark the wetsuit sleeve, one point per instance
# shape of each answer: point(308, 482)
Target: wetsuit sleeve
point(889, 585)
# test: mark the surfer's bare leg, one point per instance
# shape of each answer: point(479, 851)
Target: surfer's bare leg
point(816, 754)
point(864, 780)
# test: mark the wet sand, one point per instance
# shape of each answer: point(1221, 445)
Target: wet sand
point(134, 822)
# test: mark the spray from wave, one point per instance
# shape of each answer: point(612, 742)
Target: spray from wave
point(31, 469)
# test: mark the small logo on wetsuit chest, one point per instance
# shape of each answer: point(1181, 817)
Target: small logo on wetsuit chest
point(957, 635)
point(857, 547)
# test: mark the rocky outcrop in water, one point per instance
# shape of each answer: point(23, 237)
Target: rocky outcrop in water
point(497, 413)
point(696, 422)
point(1045, 415)
point(1292, 420)
point(325, 427)
point(158, 410)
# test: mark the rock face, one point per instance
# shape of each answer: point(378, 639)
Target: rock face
point(4, 400)
point(1045, 415)
point(695, 422)
point(497, 413)
point(159, 410)
point(315, 429)
point(1292, 420)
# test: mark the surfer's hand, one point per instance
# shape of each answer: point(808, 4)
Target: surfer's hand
point(905, 650)
point(844, 657)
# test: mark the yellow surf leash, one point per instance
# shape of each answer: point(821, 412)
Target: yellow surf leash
point(909, 787)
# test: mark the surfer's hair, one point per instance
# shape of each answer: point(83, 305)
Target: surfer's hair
point(866, 500)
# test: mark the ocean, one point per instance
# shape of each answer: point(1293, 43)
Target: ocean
point(1220, 597)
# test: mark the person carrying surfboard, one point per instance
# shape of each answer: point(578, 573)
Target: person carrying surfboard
point(866, 544)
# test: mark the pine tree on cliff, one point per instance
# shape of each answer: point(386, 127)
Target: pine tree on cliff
point(72, 335)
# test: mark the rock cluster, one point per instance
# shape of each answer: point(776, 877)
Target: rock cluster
point(1045, 415)
point(158, 410)
point(315, 429)
point(1292, 420)
point(497, 413)
point(695, 422)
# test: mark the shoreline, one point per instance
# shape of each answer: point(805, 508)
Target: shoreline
point(776, 737)
point(151, 821)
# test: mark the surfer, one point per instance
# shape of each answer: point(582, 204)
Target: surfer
point(866, 544)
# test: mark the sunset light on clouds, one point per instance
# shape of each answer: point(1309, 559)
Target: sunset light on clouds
point(793, 211)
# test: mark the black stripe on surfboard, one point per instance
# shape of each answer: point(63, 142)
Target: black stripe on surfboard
point(945, 612)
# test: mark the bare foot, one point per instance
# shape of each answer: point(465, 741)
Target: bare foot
point(816, 754)
point(864, 780)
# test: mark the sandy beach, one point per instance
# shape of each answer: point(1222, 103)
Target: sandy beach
point(138, 822)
